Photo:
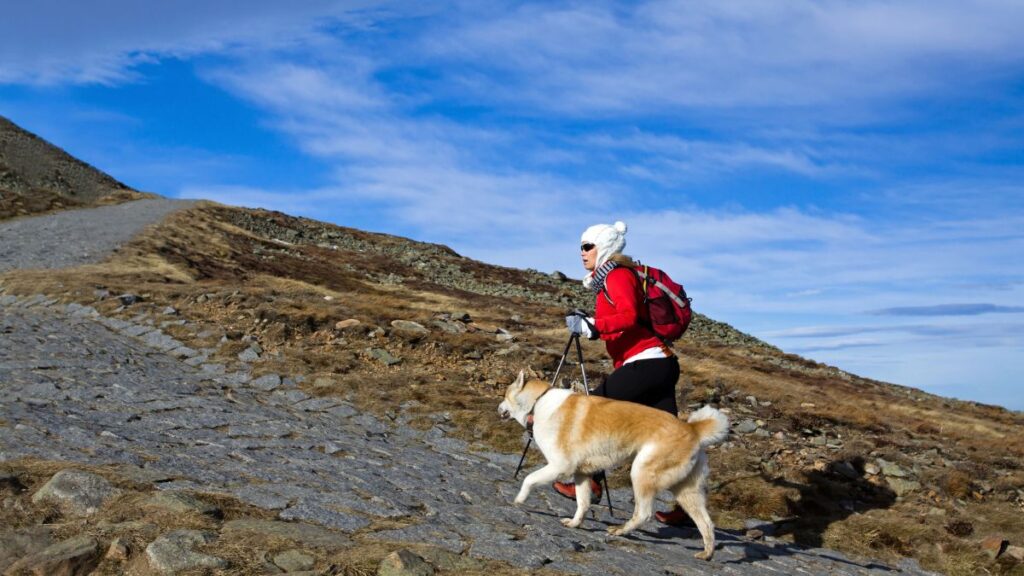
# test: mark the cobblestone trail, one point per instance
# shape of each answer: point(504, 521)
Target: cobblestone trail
point(76, 237)
point(77, 387)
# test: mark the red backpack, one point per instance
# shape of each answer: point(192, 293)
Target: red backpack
point(668, 307)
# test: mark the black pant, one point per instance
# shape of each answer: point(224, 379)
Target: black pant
point(648, 382)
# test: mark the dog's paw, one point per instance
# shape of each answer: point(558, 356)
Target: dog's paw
point(616, 531)
point(702, 555)
point(569, 523)
point(520, 500)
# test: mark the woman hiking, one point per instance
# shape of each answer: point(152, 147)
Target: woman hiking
point(646, 370)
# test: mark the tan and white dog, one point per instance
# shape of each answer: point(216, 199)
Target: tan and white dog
point(580, 435)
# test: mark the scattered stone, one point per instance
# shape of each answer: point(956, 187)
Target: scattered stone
point(745, 426)
point(449, 327)
point(1015, 552)
point(384, 357)
point(22, 543)
point(473, 355)
point(294, 560)
point(129, 299)
point(118, 551)
point(78, 555)
point(307, 534)
point(409, 326)
point(323, 382)
point(461, 316)
point(404, 562)
point(871, 469)
point(994, 546)
point(346, 324)
point(266, 383)
point(892, 469)
point(169, 311)
point(819, 440)
point(101, 294)
point(173, 552)
point(846, 470)
point(248, 355)
point(75, 492)
point(175, 501)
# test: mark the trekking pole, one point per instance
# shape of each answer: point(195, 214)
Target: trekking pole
point(554, 379)
point(586, 386)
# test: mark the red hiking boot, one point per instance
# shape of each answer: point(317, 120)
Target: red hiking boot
point(674, 517)
point(568, 490)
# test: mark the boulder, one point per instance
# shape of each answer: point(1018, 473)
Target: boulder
point(173, 552)
point(75, 492)
point(404, 562)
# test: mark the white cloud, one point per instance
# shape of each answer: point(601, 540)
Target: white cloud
point(57, 42)
point(602, 56)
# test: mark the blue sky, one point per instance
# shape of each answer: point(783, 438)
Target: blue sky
point(842, 179)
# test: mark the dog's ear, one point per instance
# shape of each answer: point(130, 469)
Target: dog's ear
point(519, 381)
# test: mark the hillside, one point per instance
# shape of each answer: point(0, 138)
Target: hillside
point(416, 334)
point(37, 177)
point(830, 458)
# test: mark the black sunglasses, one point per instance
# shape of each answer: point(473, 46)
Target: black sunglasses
point(586, 247)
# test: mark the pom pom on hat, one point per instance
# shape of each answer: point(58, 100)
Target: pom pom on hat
point(609, 239)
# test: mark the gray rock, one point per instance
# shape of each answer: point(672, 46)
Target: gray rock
point(306, 534)
point(409, 327)
point(891, 469)
point(266, 383)
point(404, 562)
point(77, 555)
point(846, 470)
point(324, 516)
point(23, 542)
point(384, 357)
point(129, 299)
point(248, 355)
point(902, 486)
point(173, 552)
point(745, 426)
point(294, 560)
point(182, 502)
point(76, 493)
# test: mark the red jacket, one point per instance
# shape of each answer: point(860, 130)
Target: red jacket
point(621, 320)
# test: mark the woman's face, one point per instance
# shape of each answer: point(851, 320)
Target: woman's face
point(589, 253)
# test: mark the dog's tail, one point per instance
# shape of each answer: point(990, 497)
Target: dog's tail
point(710, 425)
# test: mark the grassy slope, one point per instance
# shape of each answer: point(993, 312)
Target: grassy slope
point(286, 282)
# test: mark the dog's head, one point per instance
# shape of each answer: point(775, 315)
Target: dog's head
point(520, 396)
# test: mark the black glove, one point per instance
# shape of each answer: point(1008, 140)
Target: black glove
point(579, 323)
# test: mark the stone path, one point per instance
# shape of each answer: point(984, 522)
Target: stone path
point(80, 387)
point(74, 237)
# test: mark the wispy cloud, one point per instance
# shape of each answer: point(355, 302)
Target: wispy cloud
point(949, 310)
point(55, 42)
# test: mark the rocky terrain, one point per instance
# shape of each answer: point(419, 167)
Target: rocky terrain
point(233, 386)
point(37, 177)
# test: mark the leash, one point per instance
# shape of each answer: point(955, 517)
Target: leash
point(573, 338)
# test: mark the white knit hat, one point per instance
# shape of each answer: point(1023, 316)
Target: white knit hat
point(609, 240)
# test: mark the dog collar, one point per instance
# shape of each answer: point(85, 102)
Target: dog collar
point(529, 415)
